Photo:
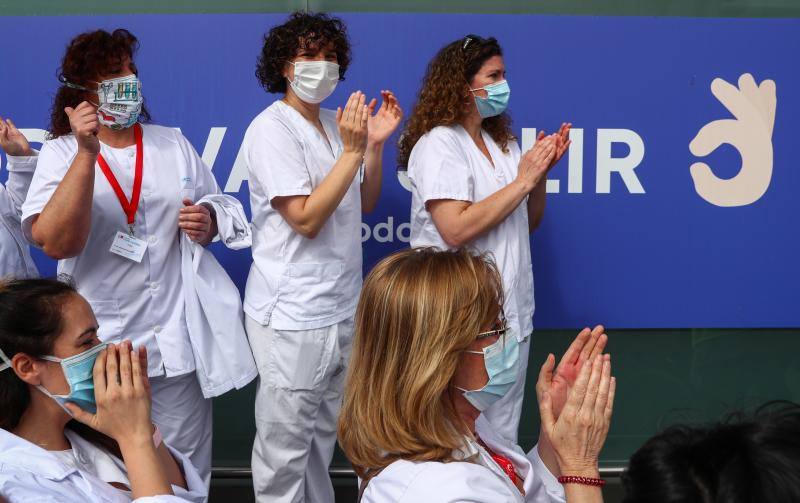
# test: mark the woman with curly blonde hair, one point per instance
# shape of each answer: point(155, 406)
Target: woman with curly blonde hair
point(430, 334)
point(471, 186)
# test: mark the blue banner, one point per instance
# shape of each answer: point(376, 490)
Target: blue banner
point(648, 224)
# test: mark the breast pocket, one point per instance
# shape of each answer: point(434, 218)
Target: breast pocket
point(109, 319)
point(312, 287)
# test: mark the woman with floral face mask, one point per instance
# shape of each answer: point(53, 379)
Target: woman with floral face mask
point(75, 414)
point(432, 349)
point(471, 186)
point(112, 199)
point(313, 172)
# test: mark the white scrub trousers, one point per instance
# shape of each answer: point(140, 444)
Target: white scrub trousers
point(299, 395)
point(504, 414)
point(184, 418)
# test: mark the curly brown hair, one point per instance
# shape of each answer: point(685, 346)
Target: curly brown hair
point(89, 56)
point(302, 31)
point(444, 97)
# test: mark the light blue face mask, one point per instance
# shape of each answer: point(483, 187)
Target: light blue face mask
point(502, 361)
point(78, 372)
point(496, 100)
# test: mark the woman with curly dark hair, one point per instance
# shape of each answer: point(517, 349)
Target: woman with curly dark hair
point(472, 187)
point(313, 172)
point(111, 200)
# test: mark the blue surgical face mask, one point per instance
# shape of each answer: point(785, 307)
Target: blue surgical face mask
point(502, 361)
point(78, 373)
point(496, 100)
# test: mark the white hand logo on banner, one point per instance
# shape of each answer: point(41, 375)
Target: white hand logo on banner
point(750, 133)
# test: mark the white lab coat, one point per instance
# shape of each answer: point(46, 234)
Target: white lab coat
point(141, 302)
point(30, 473)
point(478, 481)
point(222, 354)
point(15, 257)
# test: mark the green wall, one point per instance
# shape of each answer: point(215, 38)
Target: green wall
point(664, 377)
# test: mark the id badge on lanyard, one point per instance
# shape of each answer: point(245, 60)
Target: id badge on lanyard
point(127, 244)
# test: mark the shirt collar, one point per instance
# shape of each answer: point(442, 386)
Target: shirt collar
point(16, 452)
point(467, 451)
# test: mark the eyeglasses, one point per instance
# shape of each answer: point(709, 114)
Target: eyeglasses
point(468, 40)
point(500, 328)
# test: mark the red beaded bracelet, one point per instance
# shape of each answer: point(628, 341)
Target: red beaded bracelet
point(587, 481)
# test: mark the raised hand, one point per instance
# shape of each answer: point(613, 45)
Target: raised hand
point(562, 141)
point(586, 346)
point(578, 434)
point(121, 390)
point(536, 162)
point(85, 126)
point(352, 122)
point(11, 140)
point(382, 124)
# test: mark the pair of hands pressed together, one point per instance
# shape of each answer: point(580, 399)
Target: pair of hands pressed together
point(195, 220)
point(360, 125)
point(540, 159)
point(576, 401)
point(123, 397)
point(122, 393)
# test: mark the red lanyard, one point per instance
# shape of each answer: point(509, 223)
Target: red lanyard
point(506, 465)
point(129, 207)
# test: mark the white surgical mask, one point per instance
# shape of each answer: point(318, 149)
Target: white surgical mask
point(314, 80)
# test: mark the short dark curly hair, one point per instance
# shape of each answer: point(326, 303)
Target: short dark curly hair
point(88, 56)
point(302, 30)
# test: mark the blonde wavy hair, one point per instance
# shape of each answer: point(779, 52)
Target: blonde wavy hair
point(419, 309)
point(445, 97)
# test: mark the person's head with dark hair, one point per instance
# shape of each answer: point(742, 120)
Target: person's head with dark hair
point(455, 77)
point(39, 318)
point(304, 37)
point(90, 59)
point(740, 460)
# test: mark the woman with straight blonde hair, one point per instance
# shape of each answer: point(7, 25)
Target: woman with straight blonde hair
point(431, 345)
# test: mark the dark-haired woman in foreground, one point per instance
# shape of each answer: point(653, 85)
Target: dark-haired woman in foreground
point(313, 172)
point(471, 186)
point(53, 368)
point(742, 460)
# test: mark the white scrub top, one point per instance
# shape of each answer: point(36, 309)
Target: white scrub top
point(15, 257)
point(480, 480)
point(142, 302)
point(30, 473)
point(296, 283)
point(446, 164)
